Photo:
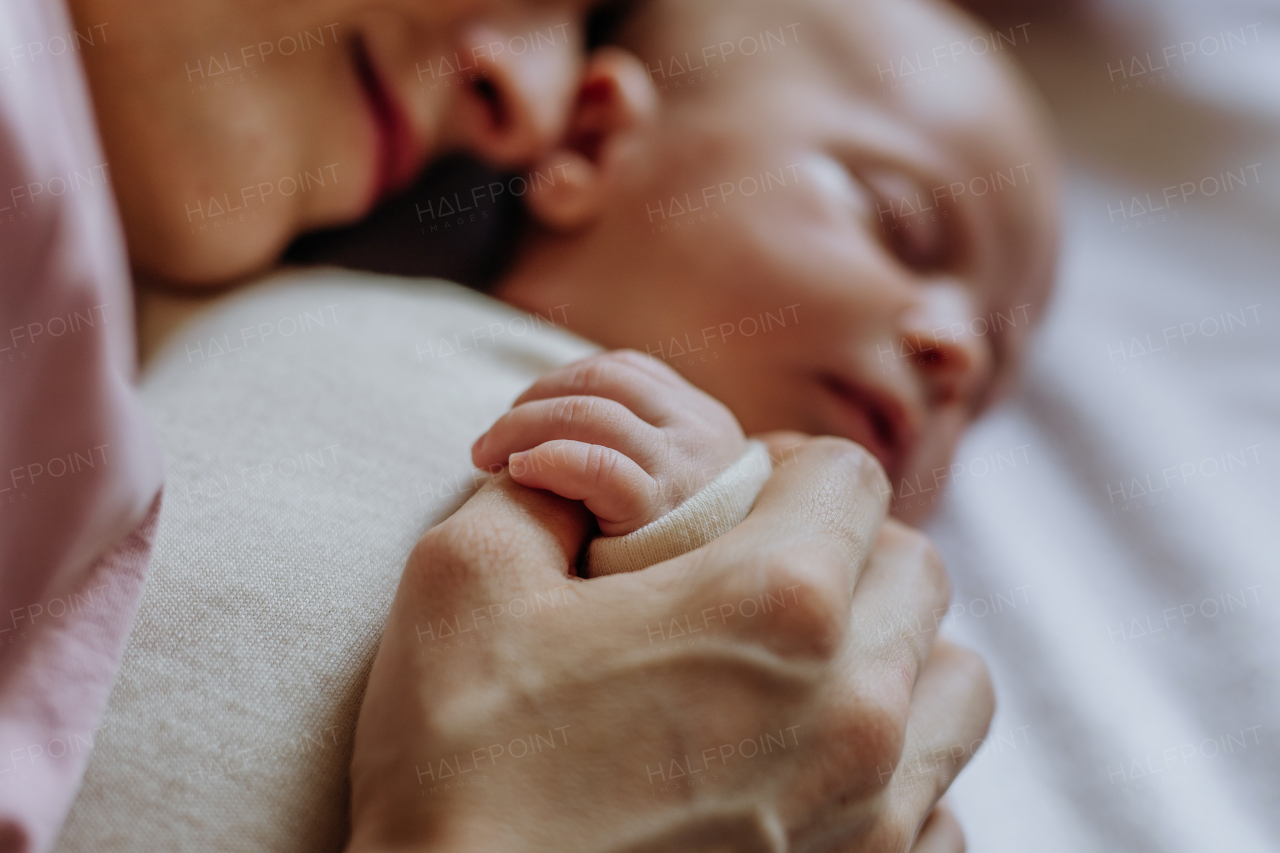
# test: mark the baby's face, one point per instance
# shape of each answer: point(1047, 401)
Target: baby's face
point(820, 252)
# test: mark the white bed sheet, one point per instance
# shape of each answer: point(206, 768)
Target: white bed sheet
point(1112, 530)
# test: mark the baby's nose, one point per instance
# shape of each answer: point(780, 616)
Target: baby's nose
point(953, 360)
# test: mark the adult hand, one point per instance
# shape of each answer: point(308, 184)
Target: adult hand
point(779, 689)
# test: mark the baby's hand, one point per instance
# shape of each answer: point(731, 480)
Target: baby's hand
point(621, 432)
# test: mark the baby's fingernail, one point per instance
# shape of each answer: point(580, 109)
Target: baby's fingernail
point(516, 462)
point(479, 445)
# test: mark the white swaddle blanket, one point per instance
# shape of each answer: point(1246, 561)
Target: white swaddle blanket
point(313, 428)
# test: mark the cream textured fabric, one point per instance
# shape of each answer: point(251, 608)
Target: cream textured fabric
point(313, 428)
point(715, 510)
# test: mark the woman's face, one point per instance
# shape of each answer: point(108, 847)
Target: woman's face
point(232, 126)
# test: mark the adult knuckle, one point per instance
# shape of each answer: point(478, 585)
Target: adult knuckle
point(445, 541)
point(864, 742)
point(897, 663)
point(928, 562)
point(846, 493)
point(893, 833)
point(804, 596)
point(446, 556)
point(879, 725)
point(935, 570)
point(851, 462)
point(970, 667)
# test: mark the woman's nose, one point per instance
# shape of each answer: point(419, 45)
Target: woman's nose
point(525, 72)
point(953, 357)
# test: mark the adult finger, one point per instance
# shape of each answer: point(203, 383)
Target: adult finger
point(951, 710)
point(905, 758)
point(594, 420)
point(832, 498)
point(941, 833)
point(506, 539)
point(896, 608)
point(805, 541)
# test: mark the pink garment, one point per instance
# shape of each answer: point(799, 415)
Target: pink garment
point(80, 473)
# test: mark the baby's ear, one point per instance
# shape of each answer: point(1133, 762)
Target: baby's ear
point(615, 101)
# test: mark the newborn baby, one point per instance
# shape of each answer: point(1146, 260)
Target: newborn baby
point(813, 232)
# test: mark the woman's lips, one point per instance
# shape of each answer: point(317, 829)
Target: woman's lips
point(397, 151)
point(876, 419)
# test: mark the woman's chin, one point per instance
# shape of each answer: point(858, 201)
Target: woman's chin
point(210, 252)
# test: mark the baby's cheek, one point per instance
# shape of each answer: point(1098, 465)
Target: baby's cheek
point(929, 478)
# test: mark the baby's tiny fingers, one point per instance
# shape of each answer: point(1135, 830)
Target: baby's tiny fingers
point(617, 490)
point(593, 420)
point(643, 384)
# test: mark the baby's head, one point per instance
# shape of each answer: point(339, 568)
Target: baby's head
point(776, 200)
